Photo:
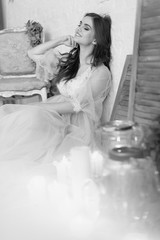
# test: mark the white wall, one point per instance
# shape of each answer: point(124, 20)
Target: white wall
point(60, 17)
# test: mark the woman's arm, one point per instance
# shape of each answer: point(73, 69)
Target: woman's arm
point(59, 107)
point(36, 52)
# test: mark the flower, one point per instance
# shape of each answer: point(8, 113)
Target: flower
point(34, 31)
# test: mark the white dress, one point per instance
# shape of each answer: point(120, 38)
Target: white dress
point(31, 138)
point(32, 133)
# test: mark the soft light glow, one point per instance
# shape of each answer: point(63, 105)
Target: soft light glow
point(74, 198)
point(97, 164)
point(136, 236)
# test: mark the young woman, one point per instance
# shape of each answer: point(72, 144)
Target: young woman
point(42, 131)
point(33, 137)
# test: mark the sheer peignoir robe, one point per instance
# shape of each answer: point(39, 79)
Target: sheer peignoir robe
point(31, 138)
point(36, 133)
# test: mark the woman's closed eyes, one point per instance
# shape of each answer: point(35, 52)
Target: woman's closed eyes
point(85, 26)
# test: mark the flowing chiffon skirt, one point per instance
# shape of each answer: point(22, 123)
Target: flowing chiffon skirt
point(33, 205)
point(31, 139)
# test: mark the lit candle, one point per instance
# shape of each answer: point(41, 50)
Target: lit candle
point(85, 191)
point(80, 163)
point(80, 170)
point(97, 164)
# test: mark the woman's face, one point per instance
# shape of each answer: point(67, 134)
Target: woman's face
point(85, 33)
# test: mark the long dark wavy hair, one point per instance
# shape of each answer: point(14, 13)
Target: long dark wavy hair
point(69, 62)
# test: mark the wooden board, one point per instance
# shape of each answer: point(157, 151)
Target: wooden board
point(144, 99)
point(120, 108)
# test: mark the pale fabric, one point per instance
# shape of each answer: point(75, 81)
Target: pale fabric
point(46, 66)
point(30, 131)
point(31, 139)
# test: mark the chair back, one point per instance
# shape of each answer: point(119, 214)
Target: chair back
point(14, 44)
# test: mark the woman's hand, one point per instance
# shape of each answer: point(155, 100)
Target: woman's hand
point(69, 41)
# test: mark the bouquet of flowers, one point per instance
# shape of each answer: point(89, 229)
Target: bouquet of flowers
point(34, 31)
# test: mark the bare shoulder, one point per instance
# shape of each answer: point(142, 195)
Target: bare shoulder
point(101, 72)
point(100, 78)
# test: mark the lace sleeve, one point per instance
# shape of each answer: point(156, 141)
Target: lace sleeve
point(76, 104)
point(46, 66)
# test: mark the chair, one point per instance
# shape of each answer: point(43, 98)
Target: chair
point(17, 70)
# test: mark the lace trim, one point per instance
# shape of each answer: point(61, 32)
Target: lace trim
point(76, 104)
point(70, 88)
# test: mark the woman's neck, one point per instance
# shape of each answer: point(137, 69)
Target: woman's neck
point(85, 56)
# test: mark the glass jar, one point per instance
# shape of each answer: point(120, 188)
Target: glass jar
point(121, 133)
point(131, 186)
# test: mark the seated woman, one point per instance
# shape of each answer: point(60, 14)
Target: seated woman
point(43, 131)
point(33, 137)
